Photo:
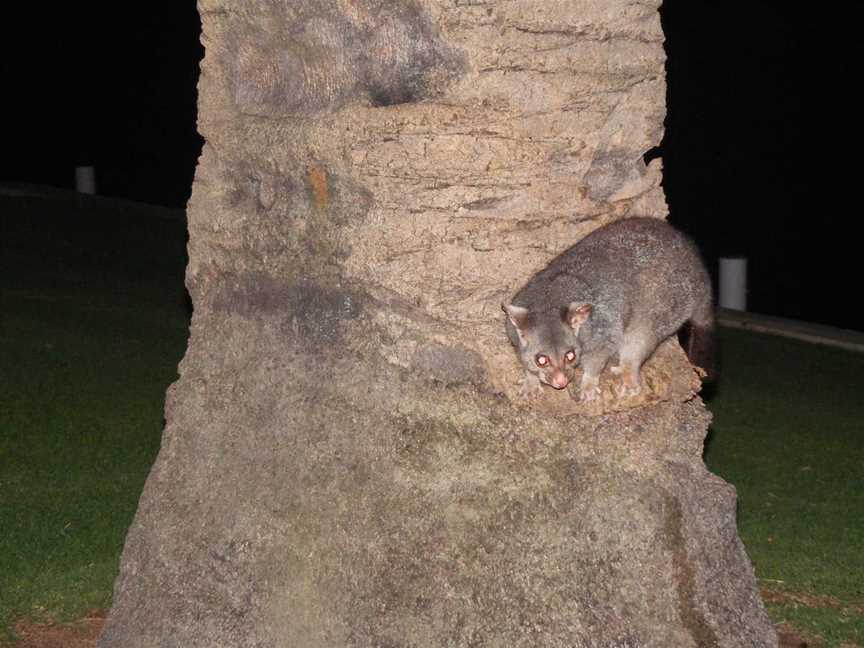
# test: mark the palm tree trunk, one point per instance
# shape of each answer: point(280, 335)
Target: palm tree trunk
point(346, 460)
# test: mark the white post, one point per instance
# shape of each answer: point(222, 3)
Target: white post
point(733, 283)
point(85, 179)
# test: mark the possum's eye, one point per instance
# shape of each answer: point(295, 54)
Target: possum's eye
point(542, 360)
point(570, 356)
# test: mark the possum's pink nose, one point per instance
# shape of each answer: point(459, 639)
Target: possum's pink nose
point(558, 380)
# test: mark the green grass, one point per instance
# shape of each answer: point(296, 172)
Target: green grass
point(788, 432)
point(93, 324)
point(94, 321)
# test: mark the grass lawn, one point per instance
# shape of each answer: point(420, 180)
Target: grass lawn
point(788, 432)
point(94, 321)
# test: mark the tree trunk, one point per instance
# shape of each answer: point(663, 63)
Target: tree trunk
point(346, 460)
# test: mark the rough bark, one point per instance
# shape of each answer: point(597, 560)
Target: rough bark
point(346, 461)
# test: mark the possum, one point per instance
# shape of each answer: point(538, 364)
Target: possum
point(614, 296)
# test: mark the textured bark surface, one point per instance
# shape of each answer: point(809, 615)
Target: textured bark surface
point(346, 461)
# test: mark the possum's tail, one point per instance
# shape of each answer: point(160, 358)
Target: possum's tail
point(701, 341)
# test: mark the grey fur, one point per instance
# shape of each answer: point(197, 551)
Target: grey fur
point(617, 294)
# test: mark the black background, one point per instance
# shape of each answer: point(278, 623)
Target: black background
point(762, 145)
point(101, 84)
point(760, 153)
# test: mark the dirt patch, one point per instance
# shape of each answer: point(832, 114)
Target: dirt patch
point(789, 637)
point(84, 633)
point(79, 634)
point(778, 597)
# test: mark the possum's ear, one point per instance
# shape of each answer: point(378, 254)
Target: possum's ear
point(577, 314)
point(519, 316)
point(521, 320)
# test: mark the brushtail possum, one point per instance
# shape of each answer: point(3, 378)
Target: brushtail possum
point(615, 295)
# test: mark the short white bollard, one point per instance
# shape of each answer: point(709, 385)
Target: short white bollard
point(85, 179)
point(733, 283)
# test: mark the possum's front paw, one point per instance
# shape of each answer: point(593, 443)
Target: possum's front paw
point(589, 388)
point(530, 387)
point(630, 385)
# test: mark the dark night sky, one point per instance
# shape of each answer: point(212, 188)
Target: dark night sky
point(761, 117)
point(101, 84)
